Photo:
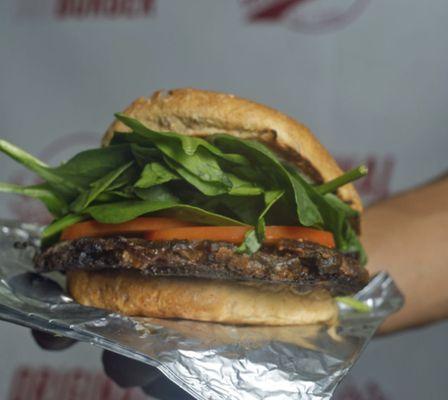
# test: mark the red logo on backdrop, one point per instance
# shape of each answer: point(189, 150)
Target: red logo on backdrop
point(81, 9)
point(103, 8)
point(71, 384)
point(309, 16)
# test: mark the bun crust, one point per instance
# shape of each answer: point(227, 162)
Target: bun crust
point(134, 294)
point(201, 113)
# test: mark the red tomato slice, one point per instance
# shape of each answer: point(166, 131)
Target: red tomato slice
point(235, 234)
point(139, 225)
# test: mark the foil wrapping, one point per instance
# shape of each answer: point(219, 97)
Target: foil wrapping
point(209, 361)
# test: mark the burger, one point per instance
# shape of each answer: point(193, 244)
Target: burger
point(202, 206)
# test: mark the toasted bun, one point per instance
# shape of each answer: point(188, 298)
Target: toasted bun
point(134, 294)
point(201, 113)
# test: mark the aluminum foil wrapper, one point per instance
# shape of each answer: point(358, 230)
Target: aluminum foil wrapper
point(210, 361)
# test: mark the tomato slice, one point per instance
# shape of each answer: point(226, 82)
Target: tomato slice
point(139, 225)
point(235, 234)
point(274, 233)
point(155, 228)
point(232, 234)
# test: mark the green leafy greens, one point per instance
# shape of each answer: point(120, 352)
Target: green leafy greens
point(355, 304)
point(221, 180)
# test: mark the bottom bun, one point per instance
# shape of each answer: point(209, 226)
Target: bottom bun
point(131, 293)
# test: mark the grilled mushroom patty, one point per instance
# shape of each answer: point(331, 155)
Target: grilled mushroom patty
point(298, 263)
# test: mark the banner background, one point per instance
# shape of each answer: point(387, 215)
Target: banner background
point(368, 77)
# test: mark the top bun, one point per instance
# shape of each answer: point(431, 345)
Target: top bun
point(202, 113)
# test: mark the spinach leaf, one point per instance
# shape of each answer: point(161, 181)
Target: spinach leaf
point(271, 197)
point(52, 231)
point(356, 304)
point(353, 245)
point(115, 213)
point(238, 186)
point(144, 154)
point(154, 173)
point(242, 187)
point(207, 188)
point(22, 157)
point(67, 187)
point(74, 176)
point(282, 212)
point(112, 196)
point(119, 212)
point(200, 216)
point(190, 144)
point(246, 209)
point(251, 243)
point(156, 193)
point(347, 177)
point(202, 164)
point(337, 215)
point(148, 136)
point(257, 154)
point(55, 204)
point(334, 219)
point(337, 203)
point(96, 188)
point(277, 177)
point(126, 179)
point(91, 165)
point(308, 213)
point(254, 238)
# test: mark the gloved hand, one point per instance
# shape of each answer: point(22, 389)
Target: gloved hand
point(122, 370)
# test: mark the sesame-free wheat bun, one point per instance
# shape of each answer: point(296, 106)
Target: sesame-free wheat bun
point(132, 293)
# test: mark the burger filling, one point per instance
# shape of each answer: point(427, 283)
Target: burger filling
point(300, 264)
point(173, 205)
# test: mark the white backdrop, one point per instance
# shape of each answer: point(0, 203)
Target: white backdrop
point(369, 78)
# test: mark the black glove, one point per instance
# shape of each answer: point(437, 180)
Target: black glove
point(48, 341)
point(128, 372)
point(124, 371)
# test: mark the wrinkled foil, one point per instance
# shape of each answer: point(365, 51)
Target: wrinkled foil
point(209, 361)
